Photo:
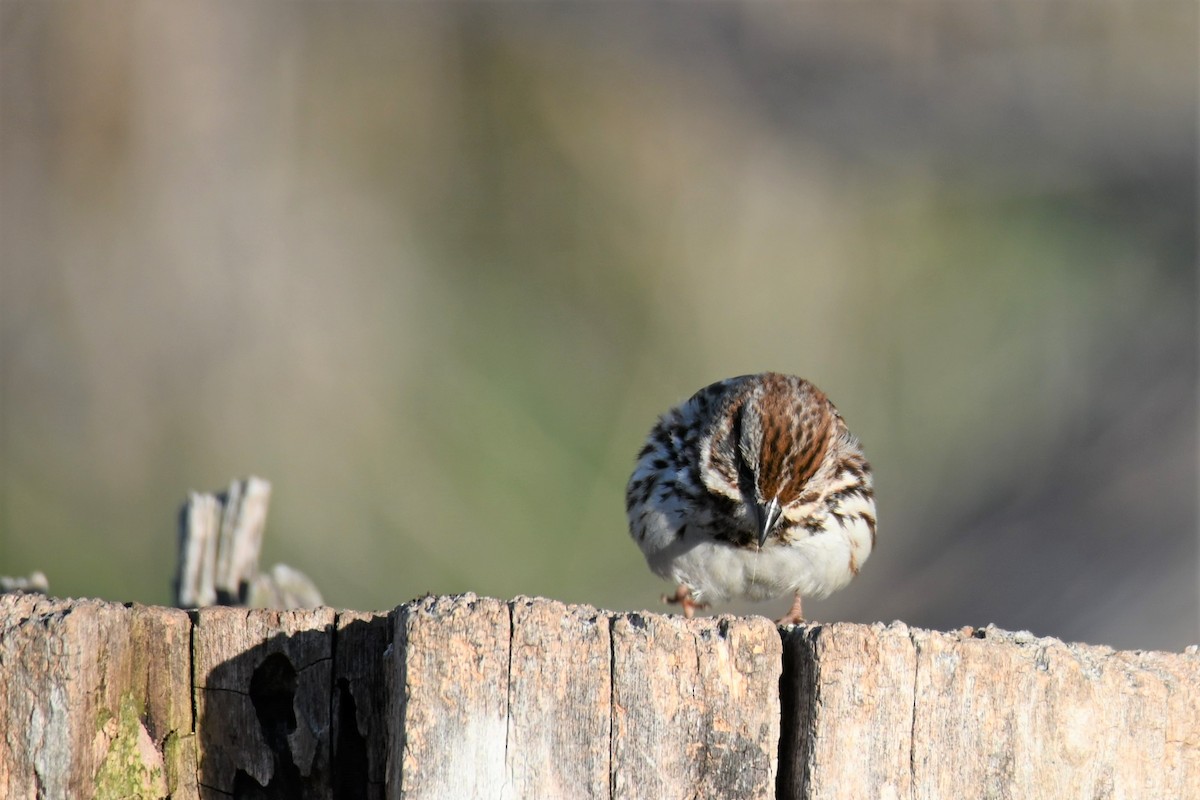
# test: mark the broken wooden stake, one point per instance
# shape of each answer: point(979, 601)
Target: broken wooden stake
point(220, 539)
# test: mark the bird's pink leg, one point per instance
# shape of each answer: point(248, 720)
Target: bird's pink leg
point(794, 616)
point(683, 598)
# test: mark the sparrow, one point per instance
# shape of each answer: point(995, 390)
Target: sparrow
point(753, 488)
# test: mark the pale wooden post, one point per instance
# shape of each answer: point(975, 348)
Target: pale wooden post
point(220, 539)
point(537, 699)
point(847, 710)
point(560, 692)
point(695, 706)
point(199, 527)
point(892, 711)
point(449, 710)
point(468, 697)
point(94, 700)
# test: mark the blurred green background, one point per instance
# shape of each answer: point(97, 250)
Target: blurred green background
point(434, 268)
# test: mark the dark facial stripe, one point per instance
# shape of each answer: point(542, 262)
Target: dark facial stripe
point(745, 474)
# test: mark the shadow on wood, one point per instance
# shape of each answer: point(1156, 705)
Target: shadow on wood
point(289, 704)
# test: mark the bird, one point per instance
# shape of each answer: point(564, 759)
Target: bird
point(752, 488)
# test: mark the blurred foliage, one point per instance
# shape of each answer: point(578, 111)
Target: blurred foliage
point(433, 269)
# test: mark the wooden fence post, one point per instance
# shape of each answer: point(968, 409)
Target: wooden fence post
point(95, 699)
point(475, 697)
point(985, 713)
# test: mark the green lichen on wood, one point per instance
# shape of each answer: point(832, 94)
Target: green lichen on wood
point(132, 767)
point(102, 718)
point(179, 759)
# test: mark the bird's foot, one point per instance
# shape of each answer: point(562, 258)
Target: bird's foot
point(795, 614)
point(683, 598)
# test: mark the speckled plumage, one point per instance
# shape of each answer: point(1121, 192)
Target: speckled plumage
point(753, 488)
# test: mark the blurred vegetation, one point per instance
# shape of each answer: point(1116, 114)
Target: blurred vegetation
point(434, 268)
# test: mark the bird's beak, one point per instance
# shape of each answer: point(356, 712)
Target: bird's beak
point(768, 516)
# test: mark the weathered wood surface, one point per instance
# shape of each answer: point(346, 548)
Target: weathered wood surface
point(985, 713)
point(449, 698)
point(537, 699)
point(220, 539)
point(696, 706)
point(262, 699)
point(199, 534)
point(468, 697)
point(360, 704)
point(560, 701)
point(95, 698)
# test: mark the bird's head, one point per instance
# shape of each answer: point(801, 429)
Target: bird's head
point(783, 433)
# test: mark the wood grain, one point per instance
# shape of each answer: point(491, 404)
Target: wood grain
point(220, 538)
point(360, 704)
point(1019, 716)
point(559, 701)
point(449, 713)
point(262, 696)
point(450, 697)
point(847, 684)
point(695, 706)
point(984, 713)
point(91, 695)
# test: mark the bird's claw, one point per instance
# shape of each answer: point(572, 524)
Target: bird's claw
point(683, 598)
point(795, 614)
